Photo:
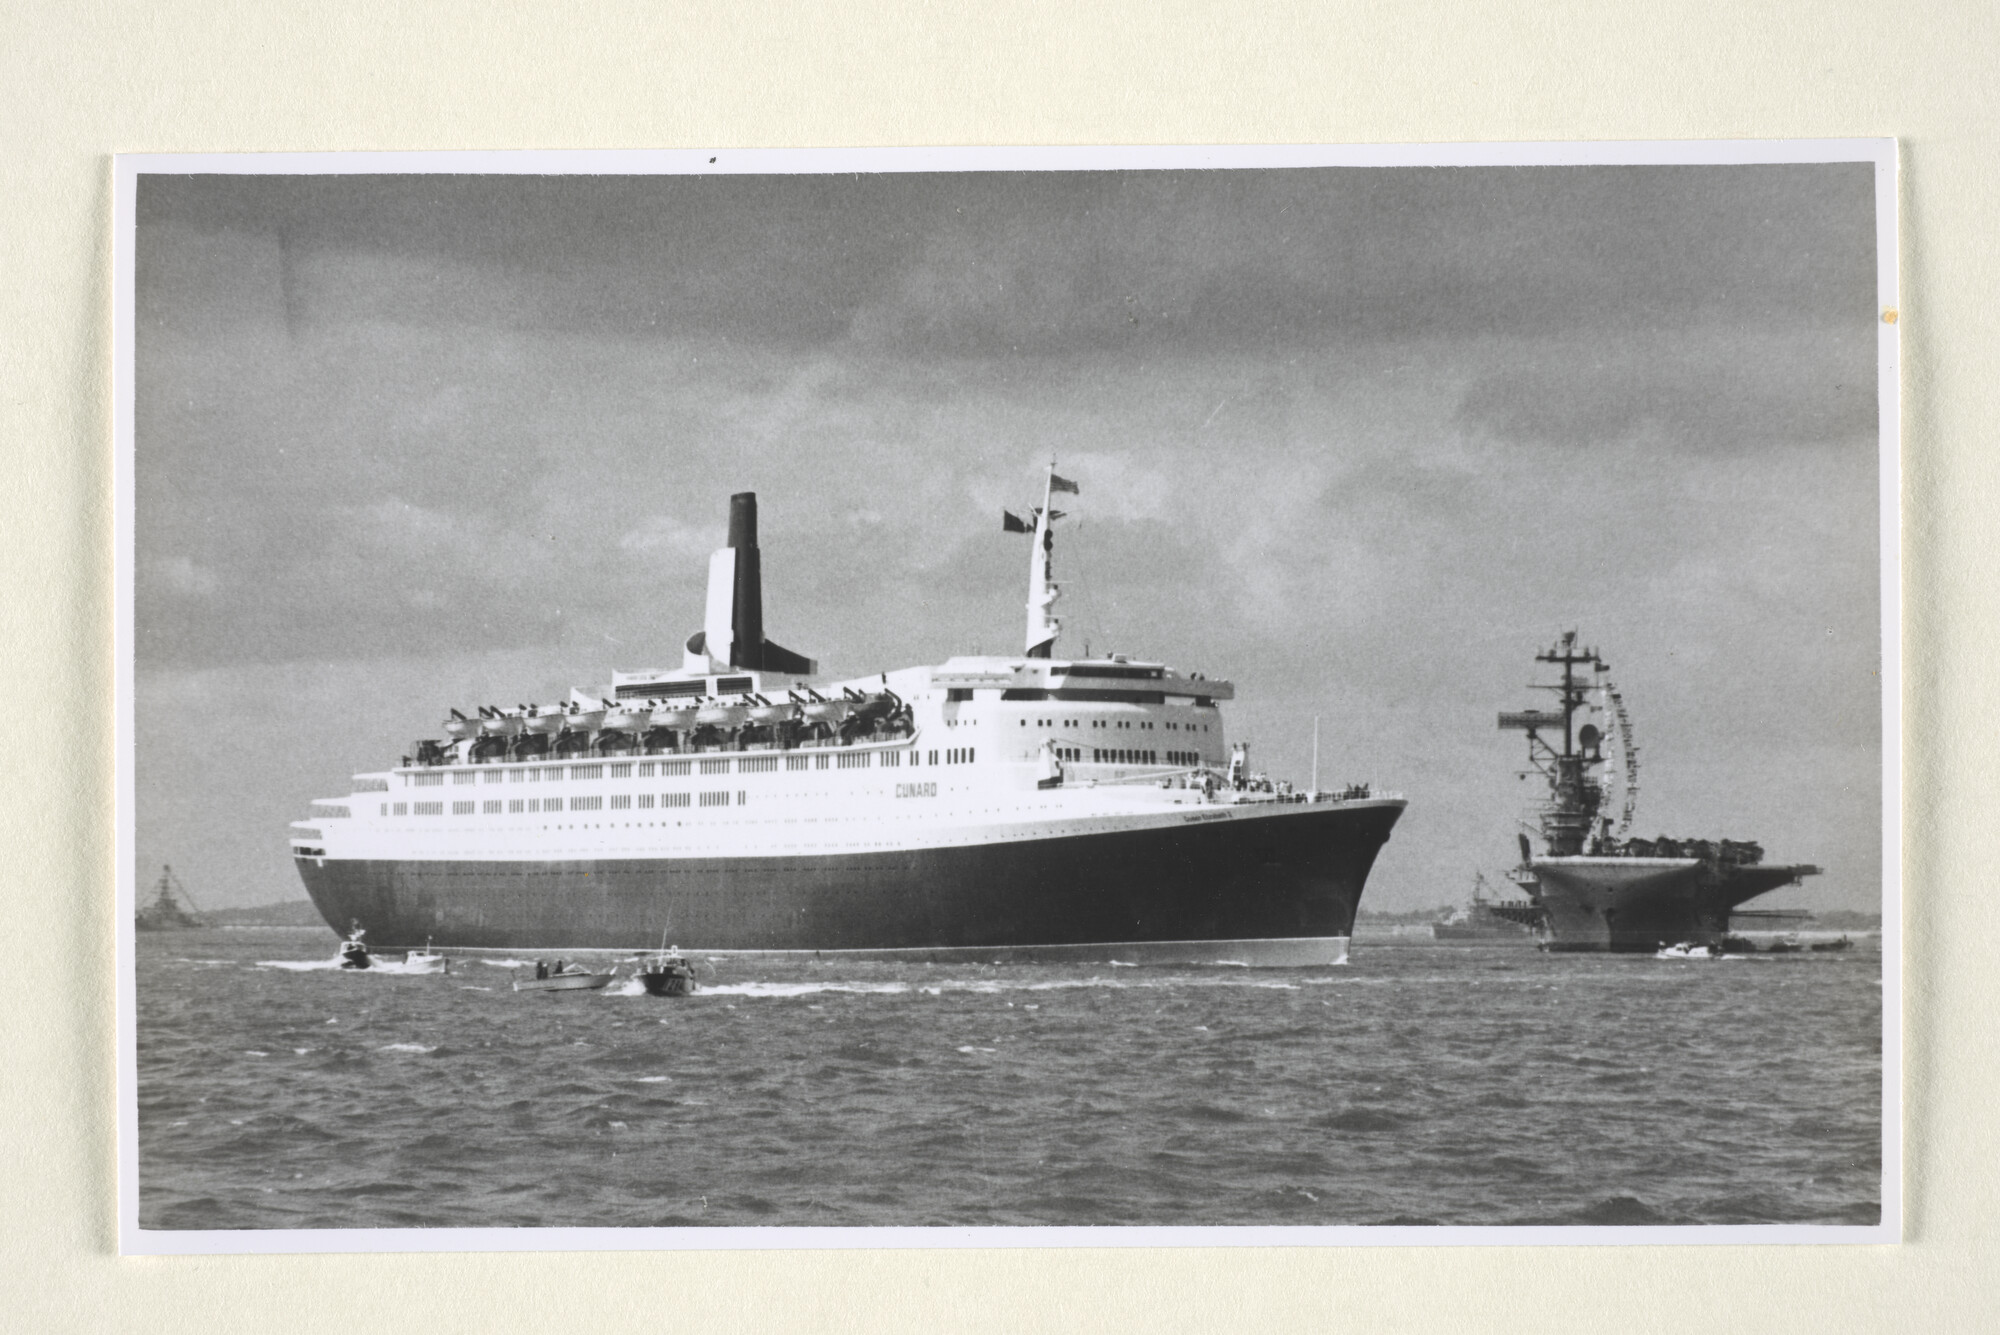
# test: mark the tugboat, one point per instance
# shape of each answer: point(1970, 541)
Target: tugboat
point(165, 913)
point(666, 974)
point(1600, 889)
point(354, 950)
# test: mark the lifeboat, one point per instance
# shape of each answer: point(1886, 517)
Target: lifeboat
point(824, 711)
point(629, 719)
point(678, 717)
point(544, 723)
point(769, 714)
point(584, 720)
point(458, 725)
point(722, 716)
point(501, 725)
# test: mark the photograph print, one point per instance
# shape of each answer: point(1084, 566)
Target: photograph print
point(1244, 696)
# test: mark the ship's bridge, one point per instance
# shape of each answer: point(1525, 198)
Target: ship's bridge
point(1126, 716)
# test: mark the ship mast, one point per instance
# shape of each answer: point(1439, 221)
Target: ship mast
point(1043, 625)
point(1574, 792)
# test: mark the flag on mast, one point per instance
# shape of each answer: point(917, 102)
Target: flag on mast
point(1013, 523)
point(1062, 484)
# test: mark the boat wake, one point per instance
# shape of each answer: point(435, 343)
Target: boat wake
point(376, 964)
point(990, 987)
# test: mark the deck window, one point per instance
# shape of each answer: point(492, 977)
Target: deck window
point(646, 801)
point(430, 809)
point(674, 799)
point(463, 808)
point(514, 804)
point(671, 768)
point(715, 799)
point(586, 804)
point(622, 802)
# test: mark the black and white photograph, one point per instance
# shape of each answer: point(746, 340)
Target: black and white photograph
point(995, 697)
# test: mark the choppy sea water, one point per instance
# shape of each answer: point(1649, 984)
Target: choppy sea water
point(1418, 1084)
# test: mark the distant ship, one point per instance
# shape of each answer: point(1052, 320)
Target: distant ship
point(1597, 888)
point(1488, 917)
point(1024, 806)
point(165, 912)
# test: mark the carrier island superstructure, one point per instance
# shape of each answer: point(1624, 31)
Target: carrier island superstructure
point(989, 807)
point(1592, 886)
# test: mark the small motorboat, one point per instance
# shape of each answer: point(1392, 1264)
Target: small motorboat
point(1688, 950)
point(1842, 944)
point(354, 951)
point(426, 960)
point(1784, 945)
point(563, 978)
point(666, 974)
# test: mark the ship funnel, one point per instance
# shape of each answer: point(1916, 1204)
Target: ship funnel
point(733, 629)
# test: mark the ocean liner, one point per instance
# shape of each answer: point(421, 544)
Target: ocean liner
point(1593, 886)
point(1024, 806)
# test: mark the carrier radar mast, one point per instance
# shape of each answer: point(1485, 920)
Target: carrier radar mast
point(1575, 794)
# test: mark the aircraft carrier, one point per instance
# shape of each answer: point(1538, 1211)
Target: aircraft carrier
point(1597, 888)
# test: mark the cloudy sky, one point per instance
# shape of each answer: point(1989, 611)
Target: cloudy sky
point(1361, 440)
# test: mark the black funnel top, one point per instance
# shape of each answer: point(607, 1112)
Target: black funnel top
point(743, 519)
point(747, 601)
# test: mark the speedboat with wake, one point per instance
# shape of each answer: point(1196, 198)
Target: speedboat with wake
point(563, 978)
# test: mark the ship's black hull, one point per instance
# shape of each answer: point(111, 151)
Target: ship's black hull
point(1295, 873)
point(1643, 905)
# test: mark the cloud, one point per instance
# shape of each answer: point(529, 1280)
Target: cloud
point(1713, 388)
point(671, 536)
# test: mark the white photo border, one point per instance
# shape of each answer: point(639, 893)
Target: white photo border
point(128, 168)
